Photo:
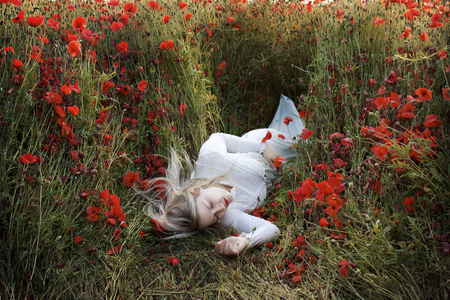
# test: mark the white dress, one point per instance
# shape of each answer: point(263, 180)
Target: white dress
point(240, 160)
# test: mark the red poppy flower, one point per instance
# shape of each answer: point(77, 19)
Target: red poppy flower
point(267, 137)
point(423, 37)
point(116, 26)
point(445, 94)
point(378, 21)
point(381, 91)
point(306, 134)
point(125, 90)
point(187, 16)
point(166, 19)
point(173, 261)
point(424, 94)
point(406, 112)
point(344, 264)
point(117, 233)
point(406, 33)
point(116, 249)
point(122, 47)
point(79, 23)
point(106, 86)
point(74, 48)
point(432, 121)
point(381, 102)
point(114, 200)
point(35, 21)
point(277, 161)
point(287, 120)
point(182, 108)
point(131, 178)
point(113, 3)
point(166, 45)
point(380, 152)
point(130, 7)
point(17, 64)
point(323, 222)
point(60, 111)
point(74, 110)
point(182, 4)
point(435, 21)
point(18, 18)
point(92, 213)
point(153, 5)
point(77, 239)
point(27, 158)
point(142, 85)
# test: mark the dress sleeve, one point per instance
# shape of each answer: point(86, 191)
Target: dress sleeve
point(258, 230)
point(227, 143)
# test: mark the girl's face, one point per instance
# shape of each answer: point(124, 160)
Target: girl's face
point(212, 202)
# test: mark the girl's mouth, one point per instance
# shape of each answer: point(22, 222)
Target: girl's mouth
point(226, 201)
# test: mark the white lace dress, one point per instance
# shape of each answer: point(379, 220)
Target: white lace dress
point(241, 160)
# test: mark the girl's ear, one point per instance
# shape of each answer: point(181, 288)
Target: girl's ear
point(194, 190)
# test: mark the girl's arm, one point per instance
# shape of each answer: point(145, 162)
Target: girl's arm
point(227, 143)
point(255, 232)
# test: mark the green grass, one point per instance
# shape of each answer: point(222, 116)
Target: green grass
point(324, 64)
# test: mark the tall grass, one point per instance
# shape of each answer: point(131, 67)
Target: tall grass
point(229, 64)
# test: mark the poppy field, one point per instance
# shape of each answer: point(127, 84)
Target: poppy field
point(94, 93)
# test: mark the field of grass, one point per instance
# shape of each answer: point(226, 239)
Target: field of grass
point(94, 93)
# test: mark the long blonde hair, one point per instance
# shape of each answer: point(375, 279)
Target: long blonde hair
point(170, 203)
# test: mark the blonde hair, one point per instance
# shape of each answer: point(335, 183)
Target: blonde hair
point(171, 205)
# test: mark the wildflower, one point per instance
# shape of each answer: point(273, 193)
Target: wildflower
point(445, 93)
point(424, 94)
point(17, 64)
point(344, 264)
point(35, 21)
point(435, 21)
point(122, 47)
point(153, 5)
point(116, 26)
point(130, 7)
point(166, 19)
point(187, 16)
point(423, 37)
point(74, 48)
point(131, 178)
point(432, 121)
point(378, 21)
point(406, 33)
point(79, 23)
point(287, 120)
point(323, 222)
point(277, 161)
point(116, 249)
point(182, 108)
point(306, 134)
point(117, 233)
point(182, 4)
point(407, 111)
point(166, 45)
point(267, 137)
point(18, 18)
point(74, 110)
point(27, 158)
point(380, 152)
point(173, 261)
point(142, 85)
point(77, 239)
point(92, 213)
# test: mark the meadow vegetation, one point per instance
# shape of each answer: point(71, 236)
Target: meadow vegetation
point(94, 93)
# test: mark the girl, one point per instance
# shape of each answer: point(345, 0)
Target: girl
point(230, 179)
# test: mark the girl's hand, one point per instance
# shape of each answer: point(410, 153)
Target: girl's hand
point(232, 246)
point(270, 154)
